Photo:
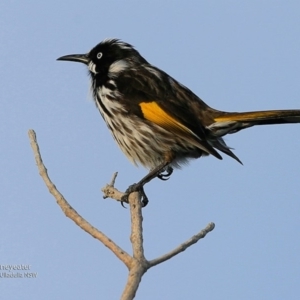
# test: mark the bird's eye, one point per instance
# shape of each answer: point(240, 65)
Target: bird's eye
point(99, 55)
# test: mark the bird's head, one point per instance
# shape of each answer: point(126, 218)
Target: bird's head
point(111, 55)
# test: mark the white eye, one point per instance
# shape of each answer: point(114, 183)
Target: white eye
point(99, 55)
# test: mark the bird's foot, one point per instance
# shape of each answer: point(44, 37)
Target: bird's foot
point(136, 187)
point(165, 175)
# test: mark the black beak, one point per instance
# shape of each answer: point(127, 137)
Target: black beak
point(83, 58)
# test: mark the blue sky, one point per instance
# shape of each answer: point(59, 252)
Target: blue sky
point(236, 56)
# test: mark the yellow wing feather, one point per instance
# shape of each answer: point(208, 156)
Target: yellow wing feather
point(154, 113)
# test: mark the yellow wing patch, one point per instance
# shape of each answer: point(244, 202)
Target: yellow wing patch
point(154, 113)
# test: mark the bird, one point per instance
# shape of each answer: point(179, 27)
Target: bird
point(156, 121)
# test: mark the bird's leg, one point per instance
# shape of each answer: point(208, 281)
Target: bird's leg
point(156, 172)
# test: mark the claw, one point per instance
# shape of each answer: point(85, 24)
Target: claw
point(122, 202)
point(135, 188)
point(156, 172)
point(166, 176)
point(144, 198)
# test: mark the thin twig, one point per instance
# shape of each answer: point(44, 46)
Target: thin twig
point(69, 211)
point(110, 191)
point(194, 239)
point(113, 180)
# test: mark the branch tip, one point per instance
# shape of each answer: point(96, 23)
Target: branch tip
point(113, 180)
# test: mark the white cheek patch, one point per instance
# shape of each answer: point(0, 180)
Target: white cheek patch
point(92, 67)
point(118, 66)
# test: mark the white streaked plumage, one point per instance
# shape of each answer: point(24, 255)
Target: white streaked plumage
point(133, 134)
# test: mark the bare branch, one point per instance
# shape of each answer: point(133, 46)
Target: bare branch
point(194, 239)
point(69, 211)
point(136, 237)
point(135, 275)
point(137, 264)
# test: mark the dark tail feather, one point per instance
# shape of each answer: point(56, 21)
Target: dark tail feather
point(232, 122)
point(220, 145)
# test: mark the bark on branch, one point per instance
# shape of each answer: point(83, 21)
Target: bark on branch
point(136, 263)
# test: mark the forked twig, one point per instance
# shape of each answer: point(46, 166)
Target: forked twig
point(137, 263)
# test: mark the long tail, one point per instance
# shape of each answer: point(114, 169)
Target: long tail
point(225, 122)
